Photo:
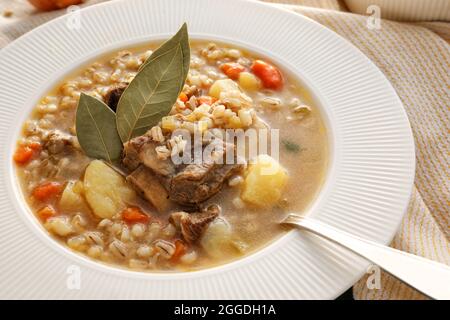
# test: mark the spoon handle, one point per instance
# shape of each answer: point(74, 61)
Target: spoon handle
point(429, 277)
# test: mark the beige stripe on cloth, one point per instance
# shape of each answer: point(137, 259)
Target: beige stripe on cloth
point(415, 57)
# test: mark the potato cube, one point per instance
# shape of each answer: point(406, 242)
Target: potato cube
point(223, 85)
point(72, 198)
point(264, 181)
point(248, 81)
point(170, 123)
point(106, 191)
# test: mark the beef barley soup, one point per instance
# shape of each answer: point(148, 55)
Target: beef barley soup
point(115, 193)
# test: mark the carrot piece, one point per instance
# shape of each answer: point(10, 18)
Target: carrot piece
point(270, 76)
point(23, 155)
point(46, 212)
point(47, 191)
point(180, 249)
point(206, 100)
point(183, 97)
point(134, 215)
point(232, 69)
point(36, 146)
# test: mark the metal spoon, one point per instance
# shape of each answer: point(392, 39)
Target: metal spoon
point(429, 277)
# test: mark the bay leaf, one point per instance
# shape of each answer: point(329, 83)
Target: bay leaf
point(155, 89)
point(182, 38)
point(96, 129)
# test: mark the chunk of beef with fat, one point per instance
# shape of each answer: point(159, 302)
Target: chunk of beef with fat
point(61, 146)
point(113, 95)
point(57, 141)
point(150, 186)
point(141, 150)
point(192, 225)
point(199, 182)
point(196, 183)
point(186, 184)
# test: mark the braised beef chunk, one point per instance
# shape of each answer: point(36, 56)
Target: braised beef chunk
point(186, 184)
point(113, 95)
point(148, 157)
point(141, 150)
point(197, 183)
point(192, 225)
point(131, 151)
point(151, 188)
point(59, 142)
point(60, 146)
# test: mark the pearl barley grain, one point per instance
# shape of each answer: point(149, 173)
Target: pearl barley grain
point(95, 251)
point(235, 181)
point(189, 258)
point(138, 230)
point(144, 251)
point(233, 53)
point(238, 203)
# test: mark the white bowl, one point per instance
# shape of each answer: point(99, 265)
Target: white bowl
point(366, 192)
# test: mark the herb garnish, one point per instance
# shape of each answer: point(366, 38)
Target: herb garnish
point(148, 97)
point(155, 89)
point(96, 129)
point(291, 146)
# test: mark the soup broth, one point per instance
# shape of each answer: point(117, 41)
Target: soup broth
point(58, 179)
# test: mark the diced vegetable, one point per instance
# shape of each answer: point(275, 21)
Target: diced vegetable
point(234, 122)
point(202, 125)
point(248, 81)
point(134, 215)
point(72, 198)
point(245, 117)
point(170, 123)
point(223, 85)
point(183, 97)
point(217, 238)
point(36, 146)
point(23, 155)
point(270, 76)
point(264, 182)
point(206, 100)
point(180, 249)
point(46, 213)
point(232, 69)
point(47, 191)
point(106, 191)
